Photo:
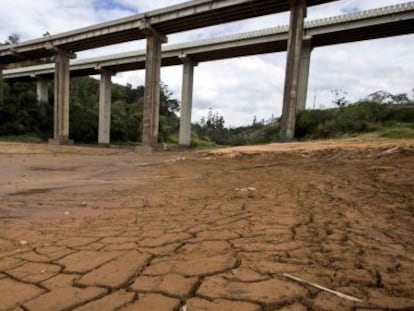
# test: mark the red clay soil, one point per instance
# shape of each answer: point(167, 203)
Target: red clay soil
point(104, 229)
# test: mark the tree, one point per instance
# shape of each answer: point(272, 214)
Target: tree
point(254, 121)
point(381, 97)
point(340, 98)
point(14, 38)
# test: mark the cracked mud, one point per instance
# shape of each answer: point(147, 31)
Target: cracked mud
point(101, 229)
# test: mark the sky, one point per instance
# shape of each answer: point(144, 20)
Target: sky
point(240, 88)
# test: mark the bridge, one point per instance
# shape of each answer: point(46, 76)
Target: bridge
point(383, 22)
point(370, 24)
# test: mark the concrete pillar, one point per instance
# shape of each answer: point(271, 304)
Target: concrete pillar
point(290, 98)
point(105, 107)
point(152, 91)
point(1, 86)
point(42, 90)
point(61, 104)
point(304, 74)
point(186, 101)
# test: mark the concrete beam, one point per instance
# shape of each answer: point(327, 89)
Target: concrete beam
point(152, 92)
point(105, 95)
point(290, 98)
point(61, 104)
point(50, 47)
point(42, 90)
point(377, 23)
point(305, 62)
point(149, 31)
point(186, 100)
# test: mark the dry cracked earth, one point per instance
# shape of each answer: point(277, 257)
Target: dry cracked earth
point(103, 229)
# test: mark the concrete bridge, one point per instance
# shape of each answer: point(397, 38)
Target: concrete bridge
point(371, 24)
point(299, 41)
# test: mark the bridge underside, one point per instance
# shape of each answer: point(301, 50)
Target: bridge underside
point(127, 29)
point(274, 44)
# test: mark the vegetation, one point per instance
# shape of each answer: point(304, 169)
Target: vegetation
point(389, 120)
point(22, 115)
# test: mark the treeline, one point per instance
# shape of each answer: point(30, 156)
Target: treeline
point(387, 119)
point(387, 114)
point(21, 113)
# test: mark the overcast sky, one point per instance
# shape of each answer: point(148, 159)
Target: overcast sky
point(237, 88)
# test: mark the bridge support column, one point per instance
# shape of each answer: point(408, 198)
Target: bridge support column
point(1, 86)
point(186, 100)
point(61, 104)
point(290, 98)
point(152, 86)
point(105, 107)
point(42, 90)
point(304, 74)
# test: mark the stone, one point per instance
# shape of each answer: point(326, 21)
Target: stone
point(197, 304)
point(171, 285)
point(64, 299)
point(195, 266)
point(111, 302)
point(116, 273)
point(153, 302)
point(85, 261)
point(267, 292)
point(34, 272)
point(13, 292)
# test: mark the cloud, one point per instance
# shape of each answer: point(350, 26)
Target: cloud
point(237, 88)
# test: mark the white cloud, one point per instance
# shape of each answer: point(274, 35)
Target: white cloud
point(238, 88)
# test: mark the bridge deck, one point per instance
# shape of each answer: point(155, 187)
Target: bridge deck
point(182, 17)
point(377, 23)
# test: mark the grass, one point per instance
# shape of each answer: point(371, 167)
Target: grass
point(402, 131)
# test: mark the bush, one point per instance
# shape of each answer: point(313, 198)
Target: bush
point(361, 117)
